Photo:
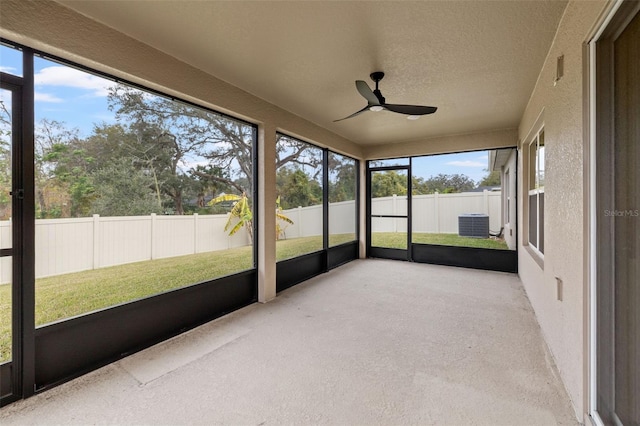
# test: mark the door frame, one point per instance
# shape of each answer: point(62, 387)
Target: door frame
point(383, 252)
point(598, 113)
point(467, 257)
point(21, 369)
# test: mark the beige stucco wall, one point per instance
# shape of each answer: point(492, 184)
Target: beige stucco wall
point(560, 108)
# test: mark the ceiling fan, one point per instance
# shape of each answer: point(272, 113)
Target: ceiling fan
point(376, 102)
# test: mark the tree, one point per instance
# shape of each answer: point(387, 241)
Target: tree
point(104, 173)
point(388, 183)
point(293, 152)
point(342, 178)
point(297, 189)
point(298, 173)
point(5, 162)
point(173, 135)
point(242, 215)
point(280, 218)
point(444, 184)
point(179, 154)
point(108, 142)
point(123, 191)
point(419, 186)
point(164, 139)
point(175, 139)
point(54, 148)
point(65, 186)
point(491, 179)
point(206, 184)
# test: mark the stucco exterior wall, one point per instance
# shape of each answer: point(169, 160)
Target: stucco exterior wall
point(560, 108)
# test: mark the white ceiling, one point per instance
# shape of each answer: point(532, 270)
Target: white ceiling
point(477, 61)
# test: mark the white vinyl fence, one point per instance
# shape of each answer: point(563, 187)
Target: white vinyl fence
point(78, 244)
point(436, 213)
point(307, 221)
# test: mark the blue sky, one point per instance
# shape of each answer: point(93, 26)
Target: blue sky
point(79, 99)
point(63, 93)
point(473, 164)
point(75, 97)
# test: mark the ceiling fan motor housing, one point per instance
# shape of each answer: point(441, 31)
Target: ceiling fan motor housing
point(377, 76)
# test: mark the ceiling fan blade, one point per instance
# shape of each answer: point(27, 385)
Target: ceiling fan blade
point(410, 109)
point(354, 114)
point(367, 93)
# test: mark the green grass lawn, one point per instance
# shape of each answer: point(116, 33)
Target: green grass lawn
point(286, 249)
point(69, 295)
point(399, 240)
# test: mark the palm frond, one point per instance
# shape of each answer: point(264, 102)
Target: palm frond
point(228, 224)
point(236, 228)
point(284, 218)
point(224, 197)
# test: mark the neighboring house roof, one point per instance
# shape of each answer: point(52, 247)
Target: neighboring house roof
point(498, 158)
point(487, 188)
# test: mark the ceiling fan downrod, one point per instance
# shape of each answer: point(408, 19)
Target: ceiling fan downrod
point(377, 76)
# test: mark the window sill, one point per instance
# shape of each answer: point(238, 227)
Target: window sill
point(535, 255)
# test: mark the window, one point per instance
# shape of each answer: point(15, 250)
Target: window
point(10, 60)
point(536, 192)
point(457, 199)
point(6, 209)
point(299, 189)
point(343, 188)
point(136, 193)
point(389, 205)
point(388, 162)
point(507, 198)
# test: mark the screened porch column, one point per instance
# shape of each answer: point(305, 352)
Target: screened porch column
point(362, 216)
point(266, 213)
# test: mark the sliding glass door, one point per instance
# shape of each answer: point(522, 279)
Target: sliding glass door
point(616, 397)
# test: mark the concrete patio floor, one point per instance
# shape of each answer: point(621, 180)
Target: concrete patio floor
point(372, 342)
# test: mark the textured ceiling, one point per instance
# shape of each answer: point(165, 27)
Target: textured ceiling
point(477, 61)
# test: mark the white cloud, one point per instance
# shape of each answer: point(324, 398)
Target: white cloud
point(46, 97)
point(467, 163)
point(9, 70)
point(70, 77)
